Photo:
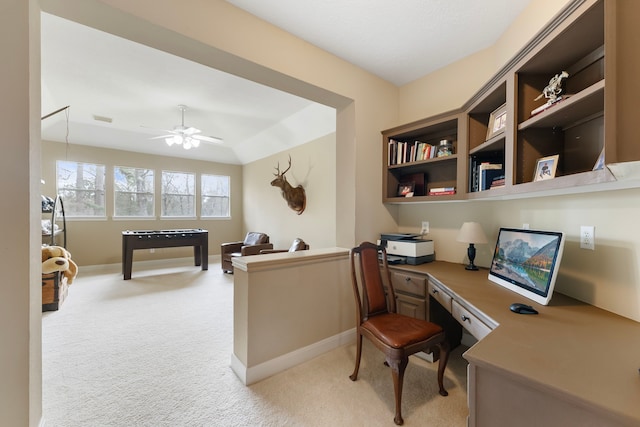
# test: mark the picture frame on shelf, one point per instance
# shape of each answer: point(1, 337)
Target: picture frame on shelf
point(497, 121)
point(546, 168)
point(600, 162)
point(405, 189)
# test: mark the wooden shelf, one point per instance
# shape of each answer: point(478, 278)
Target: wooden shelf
point(411, 167)
point(585, 104)
point(578, 129)
point(494, 144)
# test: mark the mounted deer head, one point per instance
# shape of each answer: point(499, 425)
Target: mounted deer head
point(295, 196)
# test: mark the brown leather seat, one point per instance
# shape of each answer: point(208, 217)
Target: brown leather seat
point(252, 244)
point(396, 335)
point(297, 245)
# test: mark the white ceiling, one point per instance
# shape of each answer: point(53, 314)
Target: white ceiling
point(139, 88)
point(398, 40)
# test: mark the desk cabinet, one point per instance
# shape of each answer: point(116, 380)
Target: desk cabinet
point(411, 294)
point(418, 296)
point(532, 362)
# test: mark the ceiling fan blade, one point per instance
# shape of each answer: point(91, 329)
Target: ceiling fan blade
point(213, 139)
point(156, 129)
point(163, 136)
point(190, 131)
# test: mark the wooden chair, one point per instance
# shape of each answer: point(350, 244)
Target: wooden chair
point(396, 335)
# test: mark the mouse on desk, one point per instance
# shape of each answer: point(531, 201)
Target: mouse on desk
point(520, 308)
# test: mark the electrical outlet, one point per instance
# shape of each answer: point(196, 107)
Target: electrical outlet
point(587, 237)
point(525, 226)
point(152, 250)
point(425, 227)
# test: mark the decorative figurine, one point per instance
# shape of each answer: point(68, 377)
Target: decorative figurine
point(551, 92)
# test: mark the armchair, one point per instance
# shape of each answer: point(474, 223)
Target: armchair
point(297, 245)
point(252, 244)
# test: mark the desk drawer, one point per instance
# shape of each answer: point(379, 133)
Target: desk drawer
point(470, 322)
point(409, 283)
point(411, 306)
point(441, 296)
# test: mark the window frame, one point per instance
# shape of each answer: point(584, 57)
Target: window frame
point(69, 202)
point(152, 193)
point(163, 215)
point(203, 196)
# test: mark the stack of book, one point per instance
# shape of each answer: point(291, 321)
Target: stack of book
point(483, 174)
point(497, 182)
point(442, 191)
point(400, 152)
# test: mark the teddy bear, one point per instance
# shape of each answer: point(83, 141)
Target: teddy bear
point(57, 258)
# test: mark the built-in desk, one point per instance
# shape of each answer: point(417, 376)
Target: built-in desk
point(571, 365)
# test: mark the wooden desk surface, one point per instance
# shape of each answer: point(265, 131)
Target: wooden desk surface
point(586, 354)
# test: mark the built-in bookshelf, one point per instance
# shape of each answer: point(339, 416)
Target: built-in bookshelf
point(588, 128)
point(413, 159)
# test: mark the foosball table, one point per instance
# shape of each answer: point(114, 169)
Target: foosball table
point(147, 239)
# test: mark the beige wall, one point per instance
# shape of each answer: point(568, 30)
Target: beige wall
point(313, 165)
point(99, 241)
point(216, 34)
point(20, 305)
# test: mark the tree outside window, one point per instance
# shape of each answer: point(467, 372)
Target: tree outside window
point(214, 196)
point(134, 192)
point(178, 194)
point(81, 186)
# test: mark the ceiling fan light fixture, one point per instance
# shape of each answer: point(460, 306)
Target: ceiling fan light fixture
point(186, 136)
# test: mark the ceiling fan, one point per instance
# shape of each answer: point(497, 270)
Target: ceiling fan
point(186, 136)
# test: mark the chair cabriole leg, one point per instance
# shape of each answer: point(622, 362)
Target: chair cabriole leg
point(354, 376)
point(442, 364)
point(397, 372)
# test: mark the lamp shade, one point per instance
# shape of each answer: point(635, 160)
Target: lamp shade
point(471, 232)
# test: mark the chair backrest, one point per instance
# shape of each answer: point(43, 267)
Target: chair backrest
point(365, 261)
point(298, 245)
point(255, 238)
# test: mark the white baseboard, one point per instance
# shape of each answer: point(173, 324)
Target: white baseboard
point(264, 370)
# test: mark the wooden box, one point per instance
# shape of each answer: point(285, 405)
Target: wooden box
point(54, 290)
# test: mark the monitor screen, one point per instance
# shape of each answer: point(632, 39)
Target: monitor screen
point(527, 262)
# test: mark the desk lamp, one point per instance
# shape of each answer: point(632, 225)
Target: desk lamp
point(471, 233)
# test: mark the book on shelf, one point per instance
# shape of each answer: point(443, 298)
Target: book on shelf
point(482, 175)
point(442, 191)
point(497, 182)
point(487, 176)
point(546, 106)
point(400, 152)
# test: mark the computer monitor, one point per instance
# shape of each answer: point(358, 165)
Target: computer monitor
point(527, 262)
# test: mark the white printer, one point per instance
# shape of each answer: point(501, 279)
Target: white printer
point(407, 248)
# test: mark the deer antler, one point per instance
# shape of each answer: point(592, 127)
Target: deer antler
point(288, 167)
point(286, 170)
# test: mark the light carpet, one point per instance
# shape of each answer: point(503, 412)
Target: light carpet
point(156, 350)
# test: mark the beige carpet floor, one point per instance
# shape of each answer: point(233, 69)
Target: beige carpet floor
point(155, 351)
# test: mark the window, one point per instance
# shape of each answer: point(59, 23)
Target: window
point(81, 186)
point(178, 194)
point(134, 195)
point(215, 196)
